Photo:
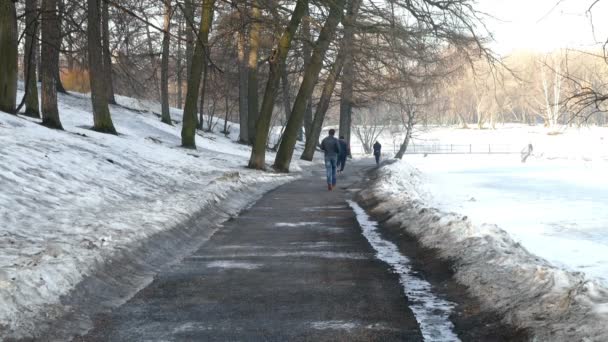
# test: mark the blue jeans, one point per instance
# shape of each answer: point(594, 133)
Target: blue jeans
point(330, 168)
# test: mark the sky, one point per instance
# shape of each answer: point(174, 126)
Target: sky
point(545, 25)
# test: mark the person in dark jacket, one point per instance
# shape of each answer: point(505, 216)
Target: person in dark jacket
point(344, 152)
point(377, 152)
point(331, 146)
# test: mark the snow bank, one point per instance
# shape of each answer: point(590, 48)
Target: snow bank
point(553, 304)
point(73, 201)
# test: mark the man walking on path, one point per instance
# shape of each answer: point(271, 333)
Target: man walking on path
point(344, 152)
point(377, 152)
point(331, 146)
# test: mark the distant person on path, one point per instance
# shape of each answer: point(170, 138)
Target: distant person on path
point(331, 146)
point(344, 152)
point(377, 152)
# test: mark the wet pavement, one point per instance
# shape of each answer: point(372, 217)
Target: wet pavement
point(295, 267)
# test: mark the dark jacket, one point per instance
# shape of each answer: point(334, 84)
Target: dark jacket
point(344, 150)
point(377, 148)
point(331, 146)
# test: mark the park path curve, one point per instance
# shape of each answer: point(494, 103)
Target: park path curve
point(293, 267)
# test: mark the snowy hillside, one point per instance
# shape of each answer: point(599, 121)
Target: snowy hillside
point(72, 200)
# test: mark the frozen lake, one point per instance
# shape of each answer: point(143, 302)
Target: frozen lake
point(557, 209)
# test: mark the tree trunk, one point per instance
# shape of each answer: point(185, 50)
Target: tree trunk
point(311, 75)
point(307, 52)
point(152, 62)
point(164, 68)
point(408, 134)
point(102, 121)
point(258, 152)
point(50, 59)
point(201, 106)
point(252, 70)
point(285, 91)
point(241, 50)
point(190, 33)
point(32, 107)
point(8, 56)
point(194, 79)
point(61, 7)
point(348, 74)
point(107, 56)
point(312, 136)
point(178, 66)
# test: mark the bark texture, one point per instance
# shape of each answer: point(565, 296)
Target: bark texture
point(164, 68)
point(348, 73)
point(194, 79)
point(311, 75)
point(8, 56)
point(32, 106)
point(107, 55)
point(252, 70)
point(307, 52)
point(102, 121)
point(50, 60)
point(241, 53)
point(258, 152)
point(312, 136)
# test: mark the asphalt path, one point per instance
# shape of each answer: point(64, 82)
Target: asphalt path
point(293, 267)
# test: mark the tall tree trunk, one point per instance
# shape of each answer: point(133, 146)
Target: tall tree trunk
point(408, 135)
point(199, 59)
point(201, 105)
point(32, 107)
point(8, 56)
point(178, 66)
point(311, 75)
point(243, 111)
point(61, 7)
point(312, 136)
point(346, 98)
point(285, 91)
point(190, 33)
point(164, 68)
point(307, 52)
point(50, 59)
point(252, 70)
point(152, 62)
point(258, 152)
point(102, 121)
point(107, 56)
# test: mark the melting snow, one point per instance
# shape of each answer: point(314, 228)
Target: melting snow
point(432, 313)
point(233, 264)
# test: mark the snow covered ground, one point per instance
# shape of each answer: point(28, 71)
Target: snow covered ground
point(71, 200)
point(539, 227)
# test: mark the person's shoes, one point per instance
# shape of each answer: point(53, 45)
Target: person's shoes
point(329, 187)
point(333, 186)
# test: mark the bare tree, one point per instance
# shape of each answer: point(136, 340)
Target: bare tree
point(252, 70)
point(189, 121)
point(8, 56)
point(278, 57)
point(50, 60)
point(102, 121)
point(32, 107)
point(164, 69)
point(311, 74)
